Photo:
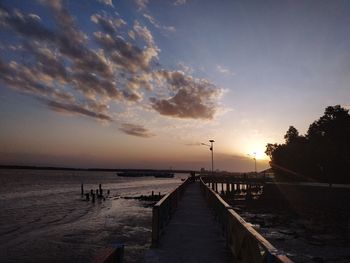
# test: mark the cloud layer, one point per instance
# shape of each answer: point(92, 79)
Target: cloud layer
point(65, 73)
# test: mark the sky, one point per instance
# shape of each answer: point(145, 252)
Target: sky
point(143, 83)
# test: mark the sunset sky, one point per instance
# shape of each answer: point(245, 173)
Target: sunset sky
point(141, 84)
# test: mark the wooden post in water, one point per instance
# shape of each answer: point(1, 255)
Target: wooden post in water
point(100, 188)
point(82, 189)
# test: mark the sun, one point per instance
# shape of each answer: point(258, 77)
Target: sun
point(258, 154)
point(256, 150)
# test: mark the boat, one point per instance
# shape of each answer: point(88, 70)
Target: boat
point(146, 173)
point(132, 174)
point(163, 175)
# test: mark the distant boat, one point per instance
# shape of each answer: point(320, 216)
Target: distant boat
point(132, 174)
point(164, 175)
point(146, 173)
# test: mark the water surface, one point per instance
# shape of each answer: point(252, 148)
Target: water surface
point(44, 218)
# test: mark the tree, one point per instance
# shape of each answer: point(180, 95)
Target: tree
point(323, 154)
point(292, 135)
point(329, 137)
point(335, 124)
point(270, 149)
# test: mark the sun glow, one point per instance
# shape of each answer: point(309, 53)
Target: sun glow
point(258, 154)
point(256, 150)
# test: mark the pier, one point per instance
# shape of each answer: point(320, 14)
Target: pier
point(194, 224)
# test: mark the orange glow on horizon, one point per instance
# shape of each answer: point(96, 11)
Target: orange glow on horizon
point(256, 150)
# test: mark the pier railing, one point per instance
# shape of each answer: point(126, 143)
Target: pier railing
point(244, 242)
point(163, 210)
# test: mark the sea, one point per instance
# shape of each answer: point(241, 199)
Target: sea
point(44, 217)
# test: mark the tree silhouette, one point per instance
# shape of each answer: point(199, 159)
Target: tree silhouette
point(291, 135)
point(322, 155)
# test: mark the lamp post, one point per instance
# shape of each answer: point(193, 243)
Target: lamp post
point(254, 158)
point(212, 154)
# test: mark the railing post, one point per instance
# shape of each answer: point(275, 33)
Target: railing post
point(242, 240)
point(155, 226)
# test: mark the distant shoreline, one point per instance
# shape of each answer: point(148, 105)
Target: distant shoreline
point(33, 167)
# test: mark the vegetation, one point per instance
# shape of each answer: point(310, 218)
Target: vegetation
point(322, 155)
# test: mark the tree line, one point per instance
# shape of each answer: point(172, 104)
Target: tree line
point(321, 155)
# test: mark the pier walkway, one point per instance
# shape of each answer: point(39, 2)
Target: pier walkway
point(192, 234)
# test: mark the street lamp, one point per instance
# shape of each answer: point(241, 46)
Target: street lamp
point(254, 158)
point(212, 154)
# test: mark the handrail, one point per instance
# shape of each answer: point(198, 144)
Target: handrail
point(244, 242)
point(163, 210)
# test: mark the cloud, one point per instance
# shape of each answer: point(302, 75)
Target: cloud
point(185, 68)
point(26, 25)
point(141, 4)
point(57, 59)
point(193, 144)
point(106, 2)
point(73, 43)
point(30, 80)
point(77, 109)
point(156, 24)
point(127, 56)
point(61, 56)
point(180, 2)
point(224, 70)
point(108, 24)
point(69, 75)
point(49, 65)
point(136, 130)
point(141, 81)
point(143, 33)
point(92, 86)
point(129, 60)
point(190, 97)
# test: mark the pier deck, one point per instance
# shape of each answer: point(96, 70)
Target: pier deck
point(192, 235)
